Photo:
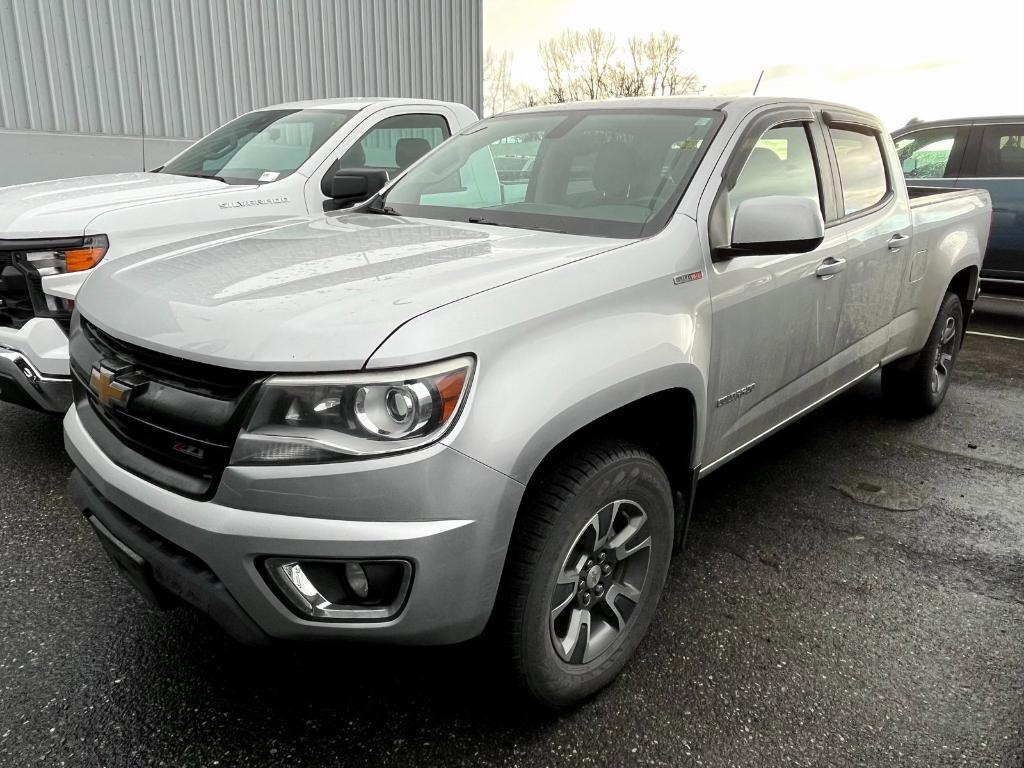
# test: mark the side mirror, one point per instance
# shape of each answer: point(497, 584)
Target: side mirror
point(776, 224)
point(354, 185)
point(910, 164)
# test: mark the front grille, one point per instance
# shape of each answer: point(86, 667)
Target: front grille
point(21, 286)
point(15, 301)
point(181, 417)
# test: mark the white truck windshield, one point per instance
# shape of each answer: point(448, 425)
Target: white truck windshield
point(259, 147)
point(608, 172)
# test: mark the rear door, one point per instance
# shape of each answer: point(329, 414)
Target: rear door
point(774, 318)
point(995, 161)
point(875, 217)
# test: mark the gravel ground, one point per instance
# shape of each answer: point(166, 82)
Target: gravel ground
point(801, 627)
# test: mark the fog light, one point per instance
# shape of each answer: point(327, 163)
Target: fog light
point(342, 590)
point(356, 578)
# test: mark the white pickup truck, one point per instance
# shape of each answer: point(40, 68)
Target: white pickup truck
point(264, 166)
point(486, 396)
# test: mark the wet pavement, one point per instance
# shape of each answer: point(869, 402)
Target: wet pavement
point(809, 623)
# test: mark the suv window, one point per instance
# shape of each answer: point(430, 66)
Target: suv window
point(925, 154)
point(1002, 151)
point(861, 168)
point(781, 163)
point(397, 142)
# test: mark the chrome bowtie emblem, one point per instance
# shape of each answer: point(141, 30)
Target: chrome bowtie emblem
point(108, 391)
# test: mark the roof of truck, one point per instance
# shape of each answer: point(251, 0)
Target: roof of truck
point(742, 103)
point(349, 102)
point(917, 125)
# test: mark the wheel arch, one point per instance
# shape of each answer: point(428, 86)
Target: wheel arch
point(964, 284)
point(666, 423)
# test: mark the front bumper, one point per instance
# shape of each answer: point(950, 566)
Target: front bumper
point(448, 515)
point(23, 384)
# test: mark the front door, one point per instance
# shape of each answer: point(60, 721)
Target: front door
point(392, 139)
point(774, 316)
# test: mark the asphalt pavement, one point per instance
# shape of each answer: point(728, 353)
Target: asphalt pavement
point(805, 625)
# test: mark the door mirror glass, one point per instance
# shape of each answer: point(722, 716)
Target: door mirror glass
point(910, 165)
point(354, 185)
point(776, 224)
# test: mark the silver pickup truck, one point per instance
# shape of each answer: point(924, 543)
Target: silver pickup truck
point(486, 396)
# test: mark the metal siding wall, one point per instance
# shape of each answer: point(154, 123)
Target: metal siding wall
point(76, 66)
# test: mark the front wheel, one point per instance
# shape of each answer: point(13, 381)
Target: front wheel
point(920, 389)
point(586, 567)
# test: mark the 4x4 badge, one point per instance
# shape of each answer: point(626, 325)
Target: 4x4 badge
point(108, 391)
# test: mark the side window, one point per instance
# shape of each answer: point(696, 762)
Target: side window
point(925, 154)
point(782, 163)
point(1002, 151)
point(397, 142)
point(861, 168)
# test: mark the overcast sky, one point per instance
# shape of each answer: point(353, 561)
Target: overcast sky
point(926, 58)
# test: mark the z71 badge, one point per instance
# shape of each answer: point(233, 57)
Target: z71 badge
point(735, 395)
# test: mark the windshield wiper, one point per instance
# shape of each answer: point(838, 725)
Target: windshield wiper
point(202, 176)
point(491, 223)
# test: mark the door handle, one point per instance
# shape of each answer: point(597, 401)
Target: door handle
point(897, 241)
point(830, 268)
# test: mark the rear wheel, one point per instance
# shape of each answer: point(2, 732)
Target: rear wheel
point(919, 389)
point(585, 571)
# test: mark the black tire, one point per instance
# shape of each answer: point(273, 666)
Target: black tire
point(918, 388)
point(612, 480)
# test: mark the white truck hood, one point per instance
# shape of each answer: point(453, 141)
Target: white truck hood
point(64, 208)
point(320, 295)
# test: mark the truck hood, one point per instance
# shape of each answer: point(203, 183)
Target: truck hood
point(320, 295)
point(64, 208)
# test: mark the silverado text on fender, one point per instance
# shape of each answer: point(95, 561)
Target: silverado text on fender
point(275, 163)
point(488, 393)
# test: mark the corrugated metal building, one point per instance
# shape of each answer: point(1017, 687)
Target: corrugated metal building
point(81, 81)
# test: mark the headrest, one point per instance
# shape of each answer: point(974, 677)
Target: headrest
point(408, 151)
point(615, 168)
point(762, 159)
point(354, 158)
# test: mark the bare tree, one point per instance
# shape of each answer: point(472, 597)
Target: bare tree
point(498, 88)
point(653, 68)
point(578, 65)
point(585, 65)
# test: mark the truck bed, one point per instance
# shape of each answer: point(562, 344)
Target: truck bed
point(921, 196)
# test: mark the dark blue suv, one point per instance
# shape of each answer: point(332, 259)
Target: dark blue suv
point(979, 153)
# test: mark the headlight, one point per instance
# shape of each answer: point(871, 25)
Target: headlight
point(321, 418)
point(58, 261)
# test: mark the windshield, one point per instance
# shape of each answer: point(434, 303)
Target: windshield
point(259, 147)
point(607, 172)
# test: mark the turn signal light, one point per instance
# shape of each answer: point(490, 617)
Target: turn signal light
point(80, 259)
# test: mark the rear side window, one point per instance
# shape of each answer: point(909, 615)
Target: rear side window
point(861, 168)
point(1002, 151)
point(397, 142)
point(925, 154)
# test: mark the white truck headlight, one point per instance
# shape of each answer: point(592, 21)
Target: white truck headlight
point(58, 261)
point(321, 418)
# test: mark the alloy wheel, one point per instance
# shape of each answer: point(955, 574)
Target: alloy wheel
point(944, 355)
point(600, 582)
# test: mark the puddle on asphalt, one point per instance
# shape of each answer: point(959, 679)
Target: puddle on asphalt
point(878, 491)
